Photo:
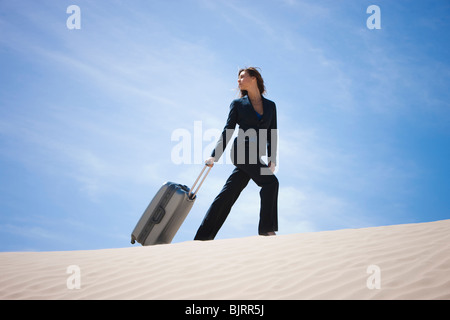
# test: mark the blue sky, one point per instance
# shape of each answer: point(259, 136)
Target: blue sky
point(87, 115)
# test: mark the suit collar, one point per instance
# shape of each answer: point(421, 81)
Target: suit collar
point(264, 102)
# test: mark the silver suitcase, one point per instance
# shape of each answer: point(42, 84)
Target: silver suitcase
point(166, 212)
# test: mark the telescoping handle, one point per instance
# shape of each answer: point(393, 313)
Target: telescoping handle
point(191, 194)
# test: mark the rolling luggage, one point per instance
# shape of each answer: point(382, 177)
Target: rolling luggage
point(166, 212)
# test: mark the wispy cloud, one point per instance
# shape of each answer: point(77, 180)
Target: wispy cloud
point(146, 90)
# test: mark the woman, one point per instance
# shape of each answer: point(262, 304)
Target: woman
point(257, 120)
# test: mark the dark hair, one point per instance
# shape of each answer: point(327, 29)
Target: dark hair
point(253, 72)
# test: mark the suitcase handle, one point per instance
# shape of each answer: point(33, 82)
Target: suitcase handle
point(191, 195)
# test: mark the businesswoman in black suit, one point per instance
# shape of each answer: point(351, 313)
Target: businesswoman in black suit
point(257, 120)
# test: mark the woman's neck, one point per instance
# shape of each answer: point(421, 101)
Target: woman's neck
point(254, 95)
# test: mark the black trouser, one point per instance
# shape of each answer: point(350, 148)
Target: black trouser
point(238, 180)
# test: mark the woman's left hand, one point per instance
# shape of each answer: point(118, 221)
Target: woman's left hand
point(272, 166)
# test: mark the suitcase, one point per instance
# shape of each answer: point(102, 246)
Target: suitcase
point(166, 212)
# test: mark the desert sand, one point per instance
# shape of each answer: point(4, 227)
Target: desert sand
point(410, 261)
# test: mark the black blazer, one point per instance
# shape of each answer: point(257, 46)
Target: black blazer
point(243, 114)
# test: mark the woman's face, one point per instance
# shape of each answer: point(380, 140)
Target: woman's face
point(245, 81)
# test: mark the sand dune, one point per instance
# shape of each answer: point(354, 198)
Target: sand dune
point(410, 261)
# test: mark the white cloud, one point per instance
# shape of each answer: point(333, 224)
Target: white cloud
point(145, 91)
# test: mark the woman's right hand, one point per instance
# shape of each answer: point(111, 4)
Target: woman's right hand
point(210, 161)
